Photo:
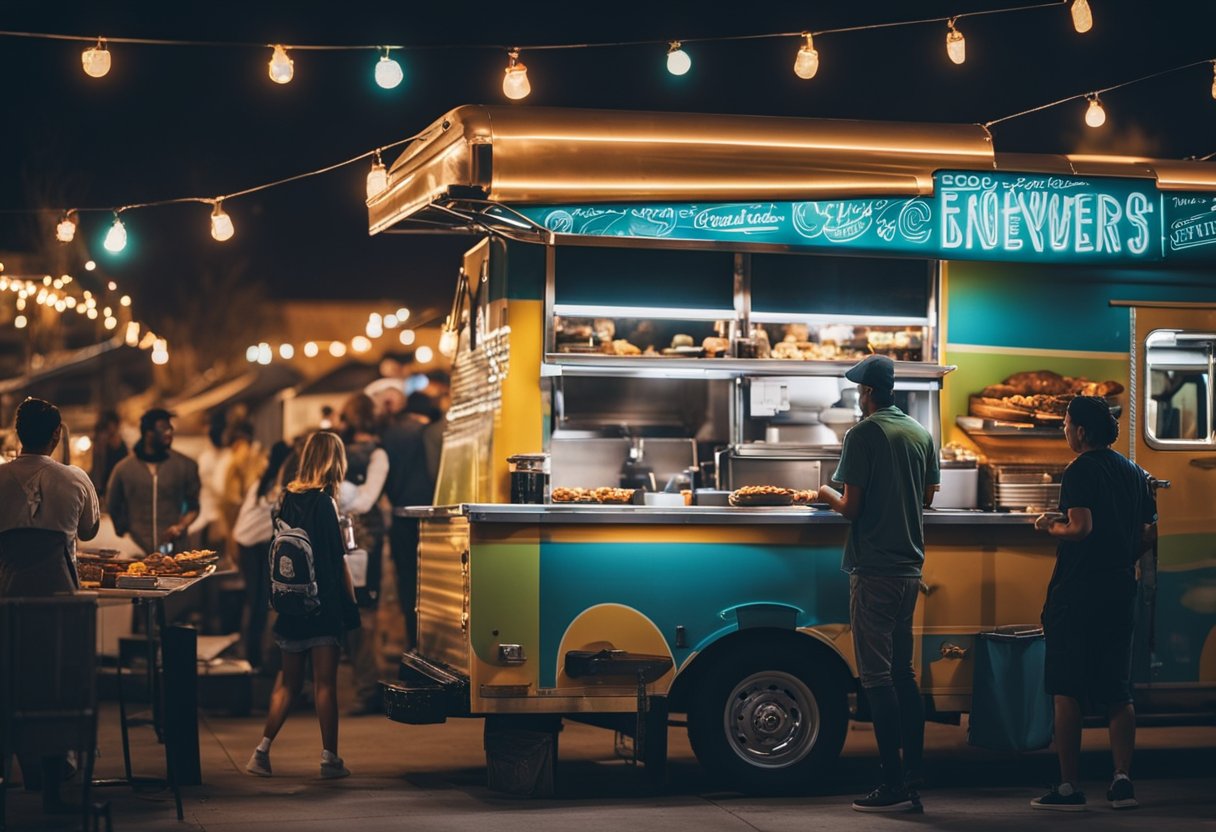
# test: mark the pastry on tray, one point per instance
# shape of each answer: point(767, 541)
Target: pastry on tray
point(762, 495)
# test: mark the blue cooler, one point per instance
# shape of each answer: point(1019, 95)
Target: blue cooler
point(1010, 708)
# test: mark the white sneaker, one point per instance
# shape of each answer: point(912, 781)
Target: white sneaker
point(259, 763)
point(334, 770)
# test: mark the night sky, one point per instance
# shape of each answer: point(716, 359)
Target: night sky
point(187, 121)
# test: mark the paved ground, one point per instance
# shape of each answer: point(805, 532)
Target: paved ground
point(432, 778)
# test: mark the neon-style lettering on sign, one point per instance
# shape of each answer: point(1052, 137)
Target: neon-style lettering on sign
point(1046, 215)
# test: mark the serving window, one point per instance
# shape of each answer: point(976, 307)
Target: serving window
point(1178, 395)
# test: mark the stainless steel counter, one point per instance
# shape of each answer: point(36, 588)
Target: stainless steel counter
point(687, 515)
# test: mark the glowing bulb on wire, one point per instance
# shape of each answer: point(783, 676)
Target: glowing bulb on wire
point(65, 231)
point(116, 237)
point(286, 352)
point(448, 342)
point(20, 321)
point(388, 72)
point(282, 68)
point(678, 61)
point(221, 223)
point(337, 349)
point(89, 265)
point(407, 337)
point(311, 349)
point(956, 45)
point(424, 355)
point(515, 84)
point(1082, 16)
point(1095, 116)
point(377, 177)
point(806, 64)
point(96, 60)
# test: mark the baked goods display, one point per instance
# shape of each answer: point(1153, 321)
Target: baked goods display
point(762, 495)
point(184, 565)
point(1037, 397)
point(605, 494)
point(804, 497)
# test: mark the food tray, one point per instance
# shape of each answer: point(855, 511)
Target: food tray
point(136, 581)
point(770, 497)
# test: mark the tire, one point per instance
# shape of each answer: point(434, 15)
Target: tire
point(768, 718)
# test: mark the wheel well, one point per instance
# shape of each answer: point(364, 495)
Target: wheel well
point(797, 642)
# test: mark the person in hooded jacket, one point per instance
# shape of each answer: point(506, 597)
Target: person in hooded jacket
point(310, 503)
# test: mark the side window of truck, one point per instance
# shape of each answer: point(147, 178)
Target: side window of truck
point(1178, 393)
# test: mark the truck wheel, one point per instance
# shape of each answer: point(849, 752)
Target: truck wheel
point(768, 719)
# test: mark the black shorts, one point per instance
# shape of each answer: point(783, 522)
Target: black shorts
point(1089, 648)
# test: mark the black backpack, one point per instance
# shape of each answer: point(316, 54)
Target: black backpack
point(293, 570)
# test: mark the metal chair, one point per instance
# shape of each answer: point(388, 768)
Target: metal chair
point(48, 684)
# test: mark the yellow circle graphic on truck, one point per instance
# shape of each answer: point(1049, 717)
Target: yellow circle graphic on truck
point(611, 627)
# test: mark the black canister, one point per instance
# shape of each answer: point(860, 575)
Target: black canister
point(529, 477)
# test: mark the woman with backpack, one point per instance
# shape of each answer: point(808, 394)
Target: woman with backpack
point(316, 612)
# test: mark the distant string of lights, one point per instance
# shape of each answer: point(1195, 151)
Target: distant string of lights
point(377, 326)
point(64, 294)
point(97, 60)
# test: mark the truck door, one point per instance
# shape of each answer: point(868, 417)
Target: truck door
point(1170, 426)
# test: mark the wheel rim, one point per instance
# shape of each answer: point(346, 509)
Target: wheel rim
point(771, 719)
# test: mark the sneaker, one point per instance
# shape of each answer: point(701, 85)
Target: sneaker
point(334, 769)
point(1074, 802)
point(887, 799)
point(259, 763)
point(1121, 794)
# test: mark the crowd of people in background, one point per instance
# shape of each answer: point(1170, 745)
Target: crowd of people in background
point(225, 499)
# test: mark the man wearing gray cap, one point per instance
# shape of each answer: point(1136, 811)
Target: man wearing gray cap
point(890, 473)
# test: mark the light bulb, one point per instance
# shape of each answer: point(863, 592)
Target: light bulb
point(251, 353)
point(111, 322)
point(311, 349)
point(337, 349)
point(424, 355)
point(265, 356)
point(221, 223)
point(377, 177)
point(448, 342)
point(403, 315)
point(515, 84)
point(678, 61)
point(20, 322)
point(116, 237)
point(388, 72)
point(407, 337)
point(1082, 17)
point(96, 60)
point(286, 352)
point(390, 321)
point(282, 68)
point(160, 352)
point(125, 300)
point(956, 45)
point(91, 313)
point(807, 62)
point(132, 332)
point(89, 265)
point(360, 343)
point(1095, 116)
point(65, 232)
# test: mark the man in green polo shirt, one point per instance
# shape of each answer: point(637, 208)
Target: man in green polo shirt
point(889, 468)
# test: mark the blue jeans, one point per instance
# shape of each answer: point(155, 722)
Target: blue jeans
point(880, 610)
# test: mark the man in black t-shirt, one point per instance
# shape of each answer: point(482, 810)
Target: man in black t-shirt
point(1108, 517)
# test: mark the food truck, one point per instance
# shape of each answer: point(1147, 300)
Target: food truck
point(656, 311)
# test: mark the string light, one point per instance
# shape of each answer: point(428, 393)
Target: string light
point(360, 343)
point(96, 60)
point(160, 351)
point(375, 325)
point(407, 337)
point(678, 61)
point(515, 84)
point(337, 349)
point(806, 63)
point(125, 300)
point(311, 349)
point(111, 322)
point(448, 342)
point(403, 315)
point(286, 351)
point(1095, 116)
point(377, 177)
point(221, 223)
point(956, 44)
point(89, 265)
point(65, 231)
point(282, 68)
point(116, 237)
point(1082, 16)
point(388, 72)
point(20, 321)
point(424, 355)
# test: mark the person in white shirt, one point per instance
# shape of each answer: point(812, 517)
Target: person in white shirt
point(36, 492)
